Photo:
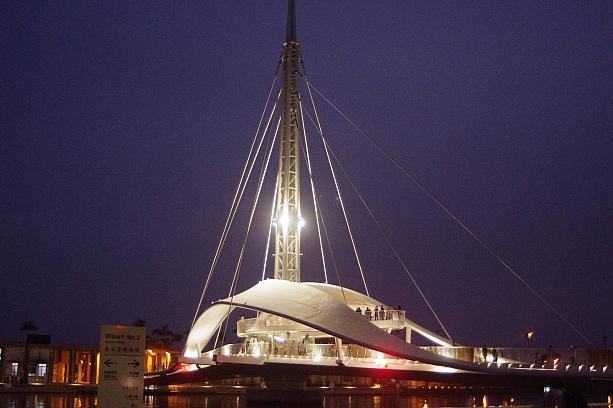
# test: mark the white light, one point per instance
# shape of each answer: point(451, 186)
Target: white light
point(444, 369)
point(301, 223)
point(546, 389)
point(284, 220)
point(279, 339)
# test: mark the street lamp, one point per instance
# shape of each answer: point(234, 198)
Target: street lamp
point(529, 335)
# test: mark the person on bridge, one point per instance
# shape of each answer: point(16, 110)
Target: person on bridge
point(376, 314)
point(368, 313)
point(358, 310)
point(382, 313)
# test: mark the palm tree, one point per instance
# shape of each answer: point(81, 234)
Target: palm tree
point(164, 337)
point(28, 326)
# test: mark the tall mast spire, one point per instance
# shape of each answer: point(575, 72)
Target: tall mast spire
point(287, 211)
point(291, 22)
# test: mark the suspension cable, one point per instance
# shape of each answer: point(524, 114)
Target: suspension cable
point(338, 276)
point(338, 191)
point(253, 208)
point(389, 243)
point(242, 191)
point(272, 216)
point(447, 211)
point(262, 171)
point(235, 203)
point(305, 152)
point(270, 145)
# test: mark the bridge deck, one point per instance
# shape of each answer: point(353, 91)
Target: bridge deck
point(415, 371)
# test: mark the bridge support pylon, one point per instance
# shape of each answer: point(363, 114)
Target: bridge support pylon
point(285, 389)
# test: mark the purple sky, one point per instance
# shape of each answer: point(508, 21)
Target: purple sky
point(124, 127)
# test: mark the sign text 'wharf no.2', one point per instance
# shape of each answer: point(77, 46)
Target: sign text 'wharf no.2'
point(121, 367)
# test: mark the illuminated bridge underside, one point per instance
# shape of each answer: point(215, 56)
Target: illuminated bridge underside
point(319, 307)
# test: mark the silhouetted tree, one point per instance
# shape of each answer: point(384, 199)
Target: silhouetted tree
point(164, 337)
point(28, 326)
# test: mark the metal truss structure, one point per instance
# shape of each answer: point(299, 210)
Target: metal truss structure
point(288, 219)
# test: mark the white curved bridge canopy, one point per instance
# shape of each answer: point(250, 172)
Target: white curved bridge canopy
point(319, 306)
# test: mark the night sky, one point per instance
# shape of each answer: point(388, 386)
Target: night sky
point(124, 127)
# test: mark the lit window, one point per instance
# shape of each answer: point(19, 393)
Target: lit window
point(14, 369)
point(41, 370)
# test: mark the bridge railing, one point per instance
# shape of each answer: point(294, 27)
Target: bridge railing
point(502, 355)
point(550, 358)
point(267, 324)
point(386, 319)
point(298, 349)
point(382, 315)
point(547, 357)
point(543, 357)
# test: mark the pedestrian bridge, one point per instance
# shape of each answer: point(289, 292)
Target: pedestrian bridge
point(314, 328)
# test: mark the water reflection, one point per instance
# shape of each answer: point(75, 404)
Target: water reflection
point(47, 401)
point(193, 401)
point(393, 401)
point(239, 401)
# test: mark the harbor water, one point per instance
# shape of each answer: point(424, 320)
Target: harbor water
point(49, 400)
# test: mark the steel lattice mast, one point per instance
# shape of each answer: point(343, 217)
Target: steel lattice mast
point(287, 212)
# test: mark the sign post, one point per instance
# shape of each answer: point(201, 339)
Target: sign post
point(121, 368)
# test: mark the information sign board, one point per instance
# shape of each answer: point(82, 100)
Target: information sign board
point(121, 368)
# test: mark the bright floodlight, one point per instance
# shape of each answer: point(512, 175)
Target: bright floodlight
point(284, 220)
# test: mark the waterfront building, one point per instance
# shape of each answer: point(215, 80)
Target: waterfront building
point(19, 361)
point(47, 363)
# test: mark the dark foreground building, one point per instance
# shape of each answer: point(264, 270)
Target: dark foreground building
point(37, 361)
